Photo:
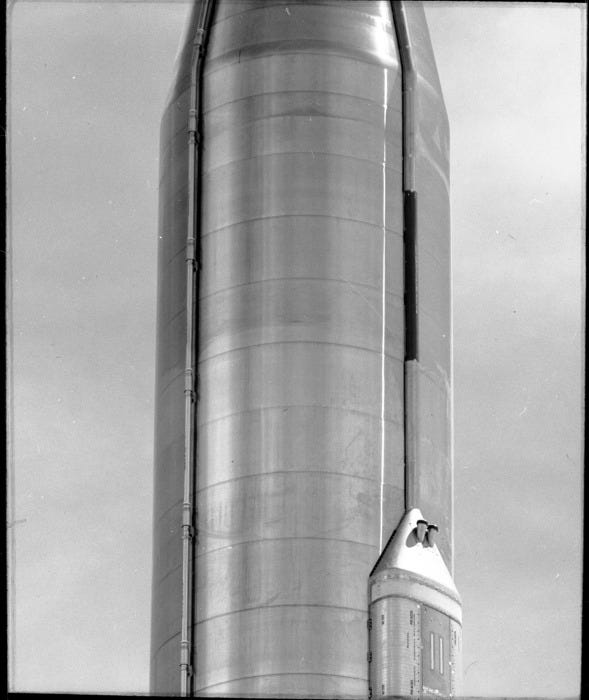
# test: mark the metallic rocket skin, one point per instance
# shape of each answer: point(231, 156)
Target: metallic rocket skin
point(300, 396)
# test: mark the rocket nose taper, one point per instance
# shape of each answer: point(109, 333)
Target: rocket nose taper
point(412, 549)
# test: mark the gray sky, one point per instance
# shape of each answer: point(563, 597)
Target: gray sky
point(87, 87)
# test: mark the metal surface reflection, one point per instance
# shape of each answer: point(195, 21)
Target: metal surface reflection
point(300, 410)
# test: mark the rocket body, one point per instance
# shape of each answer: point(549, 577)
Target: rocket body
point(299, 473)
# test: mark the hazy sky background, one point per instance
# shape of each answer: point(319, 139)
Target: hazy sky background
point(87, 86)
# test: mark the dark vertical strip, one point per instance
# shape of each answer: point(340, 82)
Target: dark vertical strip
point(409, 85)
point(410, 287)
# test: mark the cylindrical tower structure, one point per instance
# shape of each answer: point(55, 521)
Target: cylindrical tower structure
point(299, 346)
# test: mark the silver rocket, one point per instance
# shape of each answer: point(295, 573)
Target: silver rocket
point(303, 459)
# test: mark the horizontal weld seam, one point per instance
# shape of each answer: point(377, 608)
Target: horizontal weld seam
point(179, 373)
point(284, 539)
point(322, 343)
point(294, 673)
point(208, 172)
point(285, 471)
point(337, 409)
point(280, 605)
point(369, 20)
point(169, 573)
point(163, 644)
point(247, 54)
point(336, 280)
point(269, 95)
point(253, 219)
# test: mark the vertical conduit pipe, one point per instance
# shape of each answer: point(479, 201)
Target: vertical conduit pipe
point(188, 514)
point(409, 85)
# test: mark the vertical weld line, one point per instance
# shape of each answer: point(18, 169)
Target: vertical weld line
point(383, 334)
point(10, 453)
point(451, 416)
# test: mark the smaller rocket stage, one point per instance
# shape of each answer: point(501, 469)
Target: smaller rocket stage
point(414, 616)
